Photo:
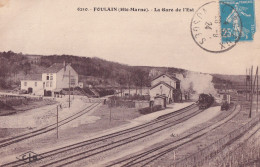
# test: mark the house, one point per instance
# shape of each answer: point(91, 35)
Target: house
point(166, 85)
point(52, 81)
point(33, 84)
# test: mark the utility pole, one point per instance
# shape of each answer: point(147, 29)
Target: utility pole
point(251, 94)
point(246, 84)
point(73, 92)
point(257, 90)
point(255, 86)
point(57, 122)
point(69, 88)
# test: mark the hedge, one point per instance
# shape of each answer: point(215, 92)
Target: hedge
point(148, 110)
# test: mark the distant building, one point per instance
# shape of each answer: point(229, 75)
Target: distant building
point(52, 80)
point(166, 85)
point(34, 59)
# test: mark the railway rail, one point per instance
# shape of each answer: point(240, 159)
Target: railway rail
point(146, 157)
point(18, 138)
point(106, 147)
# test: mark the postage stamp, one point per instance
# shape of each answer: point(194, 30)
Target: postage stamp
point(234, 11)
point(218, 25)
point(206, 29)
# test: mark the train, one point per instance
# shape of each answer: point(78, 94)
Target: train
point(205, 101)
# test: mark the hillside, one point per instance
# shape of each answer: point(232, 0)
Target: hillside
point(92, 71)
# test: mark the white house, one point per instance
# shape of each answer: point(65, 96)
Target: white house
point(33, 84)
point(165, 85)
point(53, 80)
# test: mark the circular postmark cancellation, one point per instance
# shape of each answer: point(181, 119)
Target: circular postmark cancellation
point(216, 27)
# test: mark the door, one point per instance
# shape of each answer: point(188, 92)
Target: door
point(30, 90)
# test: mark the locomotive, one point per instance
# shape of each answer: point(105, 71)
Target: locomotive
point(205, 101)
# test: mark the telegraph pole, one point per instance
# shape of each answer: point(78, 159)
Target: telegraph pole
point(246, 84)
point(255, 86)
point(257, 90)
point(69, 88)
point(57, 122)
point(251, 94)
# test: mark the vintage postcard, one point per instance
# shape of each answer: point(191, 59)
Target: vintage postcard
point(129, 83)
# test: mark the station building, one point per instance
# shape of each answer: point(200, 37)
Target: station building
point(167, 87)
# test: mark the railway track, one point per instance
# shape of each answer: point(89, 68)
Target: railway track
point(16, 139)
point(68, 150)
point(146, 157)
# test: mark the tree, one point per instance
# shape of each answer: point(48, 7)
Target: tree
point(141, 78)
point(121, 81)
point(26, 67)
point(129, 79)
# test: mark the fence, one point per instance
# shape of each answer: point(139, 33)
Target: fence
point(245, 154)
point(121, 103)
point(205, 155)
point(17, 100)
point(94, 100)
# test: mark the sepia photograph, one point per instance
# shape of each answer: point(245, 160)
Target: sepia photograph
point(127, 83)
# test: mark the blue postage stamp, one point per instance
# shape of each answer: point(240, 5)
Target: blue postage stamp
point(237, 20)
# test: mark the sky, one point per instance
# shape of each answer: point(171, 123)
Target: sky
point(147, 39)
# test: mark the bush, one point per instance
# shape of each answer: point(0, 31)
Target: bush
point(148, 110)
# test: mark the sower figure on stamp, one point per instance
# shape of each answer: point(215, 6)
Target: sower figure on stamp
point(234, 16)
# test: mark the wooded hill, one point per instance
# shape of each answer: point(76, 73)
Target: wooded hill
point(92, 71)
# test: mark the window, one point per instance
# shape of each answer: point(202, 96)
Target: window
point(35, 84)
point(48, 77)
point(72, 81)
point(25, 83)
point(47, 84)
point(51, 77)
point(50, 83)
point(178, 85)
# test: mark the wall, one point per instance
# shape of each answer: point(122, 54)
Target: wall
point(157, 90)
point(159, 101)
point(141, 104)
point(145, 91)
point(63, 77)
point(38, 90)
point(165, 79)
point(54, 82)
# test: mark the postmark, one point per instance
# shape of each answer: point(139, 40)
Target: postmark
point(208, 32)
point(245, 9)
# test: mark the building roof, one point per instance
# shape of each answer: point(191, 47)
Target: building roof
point(172, 77)
point(56, 67)
point(159, 83)
point(33, 77)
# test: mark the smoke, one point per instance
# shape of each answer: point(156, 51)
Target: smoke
point(197, 83)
